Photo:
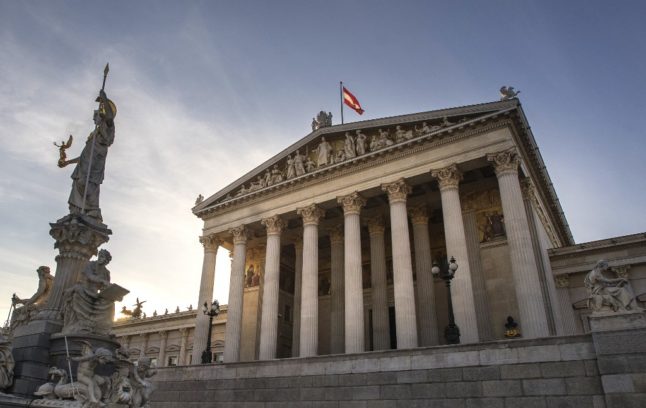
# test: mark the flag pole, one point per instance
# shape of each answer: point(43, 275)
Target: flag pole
point(341, 95)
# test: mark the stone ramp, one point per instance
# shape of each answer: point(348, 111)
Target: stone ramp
point(553, 372)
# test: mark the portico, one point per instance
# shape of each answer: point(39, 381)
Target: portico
point(343, 249)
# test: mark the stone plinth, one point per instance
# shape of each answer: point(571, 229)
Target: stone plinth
point(77, 239)
point(618, 340)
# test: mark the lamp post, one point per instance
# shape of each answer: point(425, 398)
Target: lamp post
point(452, 331)
point(214, 310)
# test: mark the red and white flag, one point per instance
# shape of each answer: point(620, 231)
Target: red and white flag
point(351, 101)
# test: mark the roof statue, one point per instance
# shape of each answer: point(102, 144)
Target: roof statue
point(508, 92)
point(322, 120)
point(90, 165)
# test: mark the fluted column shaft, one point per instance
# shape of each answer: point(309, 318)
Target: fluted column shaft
point(211, 244)
point(533, 319)
point(269, 317)
point(298, 278)
point(405, 316)
point(426, 311)
point(182, 346)
point(568, 318)
point(161, 358)
point(354, 319)
point(309, 292)
point(337, 296)
point(236, 291)
point(380, 319)
point(456, 246)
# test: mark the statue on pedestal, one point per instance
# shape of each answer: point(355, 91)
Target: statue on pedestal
point(30, 307)
point(90, 165)
point(89, 307)
point(613, 294)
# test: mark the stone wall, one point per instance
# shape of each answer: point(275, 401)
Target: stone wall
point(553, 372)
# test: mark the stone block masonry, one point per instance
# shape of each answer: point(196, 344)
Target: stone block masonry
point(551, 372)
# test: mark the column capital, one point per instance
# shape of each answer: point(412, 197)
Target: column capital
point(351, 203)
point(240, 234)
point(448, 177)
point(397, 190)
point(505, 162)
point(163, 334)
point(376, 225)
point(311, 214)
point(210, 242)
point(528, 189)
point(418, 215)
point(184, 332)
point(274, 224)
point(336, 234)
point(562, 281)
point(298, 244)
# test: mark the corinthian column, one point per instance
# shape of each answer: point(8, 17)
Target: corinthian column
point(236, 289)
point(182, 346)
point(405, 317)
point(298, 283)
point(379, 283)
point(456, 246)
point(533, 320)
point(269, 317)
point(309, 292)
point(425, 292)
point(211, 244)
point(337, 307)
point(354, 325)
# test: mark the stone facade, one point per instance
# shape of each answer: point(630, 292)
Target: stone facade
point(465, 182)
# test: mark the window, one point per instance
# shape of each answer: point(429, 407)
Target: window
point(153, 362)
point(172, 361)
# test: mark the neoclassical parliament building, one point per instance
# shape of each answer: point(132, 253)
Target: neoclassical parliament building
point(333, 242)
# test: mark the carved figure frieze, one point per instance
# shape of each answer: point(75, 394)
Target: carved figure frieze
point(493, 226)
point(323, 152)
point(326, 152)
point(360, 143)
point(448, 177)
point(376, 225)
point(481, 200)
point(609, 294)
point(562, 281)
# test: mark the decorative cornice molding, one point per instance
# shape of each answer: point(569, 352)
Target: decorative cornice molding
point(274, 225)
point(505, 162)
point(448, 177)
point(311, 214)
point(397, 190)
point(240, 234)
point(445, 135)
point(418, 215)
point(352, 203)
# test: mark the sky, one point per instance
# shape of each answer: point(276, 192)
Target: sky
point(207, 90)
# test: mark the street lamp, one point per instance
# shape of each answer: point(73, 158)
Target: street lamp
point(207, 356)
point(452, 331)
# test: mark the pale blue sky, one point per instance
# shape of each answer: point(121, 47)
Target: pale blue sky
point(208, 90)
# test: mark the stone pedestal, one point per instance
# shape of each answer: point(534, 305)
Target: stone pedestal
point(618, 340)
point(77, 239)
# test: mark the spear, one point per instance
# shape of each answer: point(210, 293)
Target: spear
point(89, 167)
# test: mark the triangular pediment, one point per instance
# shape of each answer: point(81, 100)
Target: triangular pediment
point(341, 145)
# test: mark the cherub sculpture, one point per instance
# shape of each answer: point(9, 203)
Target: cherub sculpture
point(140, 380)
point(88, 361)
